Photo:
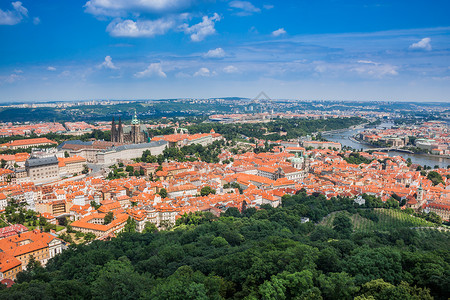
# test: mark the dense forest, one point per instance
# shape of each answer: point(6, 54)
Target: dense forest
point(256, 254)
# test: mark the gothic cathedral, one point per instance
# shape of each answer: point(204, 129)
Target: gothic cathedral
point(133, 134)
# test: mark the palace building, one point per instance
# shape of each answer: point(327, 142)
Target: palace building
point(133, 134)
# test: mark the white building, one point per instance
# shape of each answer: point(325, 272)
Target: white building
point(3, 201)
point(127, 152)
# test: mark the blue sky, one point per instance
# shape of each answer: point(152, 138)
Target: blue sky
point(151, 49)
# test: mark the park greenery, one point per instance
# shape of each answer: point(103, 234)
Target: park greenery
point(356, 159)
point(16, 213)
point(435, 177)
point(192, 152)
point(256, 254)
point(59, 138)
point(293, 128)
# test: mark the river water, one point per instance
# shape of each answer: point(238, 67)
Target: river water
point(344, 138)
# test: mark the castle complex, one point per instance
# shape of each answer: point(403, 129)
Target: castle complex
point(133, 134)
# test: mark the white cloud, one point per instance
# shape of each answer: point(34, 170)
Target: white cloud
point(374, 69)
point(117, 8)
point(50, 68)
point(201, 30)
point(152, 69)
point(268, 6)
point(10, 78)
point(108, 64)
point(215, 53)
point(423, 44)
point(367, 62)
point(246, 8)
point(19, 8)
point(13, 17)
point(36, 21)
point(230, 69)
point(279, 32)
point(203, 72)
point(130, 28)
point(64, 74)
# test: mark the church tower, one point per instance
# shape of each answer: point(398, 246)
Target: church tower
point(135, 130)
point(113, 131)
point(120, 132)
point(420, 195)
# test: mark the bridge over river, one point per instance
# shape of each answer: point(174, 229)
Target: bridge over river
point(389, 149)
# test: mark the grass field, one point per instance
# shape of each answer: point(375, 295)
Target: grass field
point(388, 219)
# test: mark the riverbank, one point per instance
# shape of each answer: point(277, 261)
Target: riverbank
point(353, 127)
point(344, 137)
point(354, 139)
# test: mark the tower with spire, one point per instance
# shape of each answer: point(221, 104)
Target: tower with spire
point(113, 130)
point(127, 134)
point(136, 136)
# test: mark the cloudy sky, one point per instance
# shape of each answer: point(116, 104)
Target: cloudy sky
point(151, 49)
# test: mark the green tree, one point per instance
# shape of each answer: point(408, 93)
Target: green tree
point(287, 285)
point(150, 227)
point(219, 242)
point(79, 235)
point(232, 212)
point(435, 177)
point(184, 284)
point(368, 264)
point(42, 221)
point(205, 191)
point(165, 224)
point(433, 217)
point(163, 193)
point(337, 286)
point(34, 269)
point(328, 260)
point(382, 290)
point(95, 205)
point(118, 280)
point(342, 224)
point(108, 218)
point(89, 236)
point(130, 226)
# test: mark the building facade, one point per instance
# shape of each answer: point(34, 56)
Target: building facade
point(42, 169)
point(134, 134)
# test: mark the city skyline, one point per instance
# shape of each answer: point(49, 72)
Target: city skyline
point(94, 49)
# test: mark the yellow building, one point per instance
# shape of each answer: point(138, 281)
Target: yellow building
point(9, 266)
point(40, 245)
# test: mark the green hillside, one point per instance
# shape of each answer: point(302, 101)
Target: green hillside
point(387, 220)
point(256, 254)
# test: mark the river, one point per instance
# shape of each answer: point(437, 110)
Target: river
point(344, 138)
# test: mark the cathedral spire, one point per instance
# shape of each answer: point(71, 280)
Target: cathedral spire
point(113, 131)
point(135, 120)
point(120, 132)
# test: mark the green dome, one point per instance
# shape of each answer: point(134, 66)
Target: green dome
point(135, 120)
